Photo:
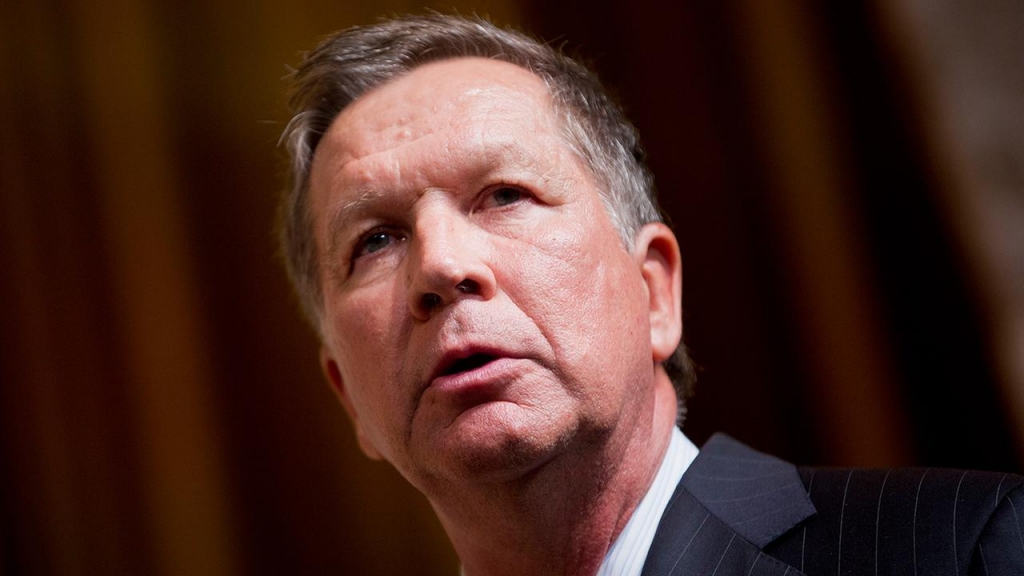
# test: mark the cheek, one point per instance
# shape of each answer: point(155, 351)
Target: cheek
point(366, 332)
point(583, 292)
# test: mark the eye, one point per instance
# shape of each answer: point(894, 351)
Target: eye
point(375, 241)
point(505, 195)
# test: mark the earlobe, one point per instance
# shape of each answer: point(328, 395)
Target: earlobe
point(657, 253)
point(333, 375)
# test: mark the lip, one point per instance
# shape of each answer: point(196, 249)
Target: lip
point(495, 368)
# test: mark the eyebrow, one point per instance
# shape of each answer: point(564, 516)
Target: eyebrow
point(504, 151)
point(342, 216)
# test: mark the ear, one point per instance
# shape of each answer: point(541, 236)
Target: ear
point(333, 374)
point(657, 252)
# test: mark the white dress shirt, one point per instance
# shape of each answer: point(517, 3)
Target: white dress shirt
point(627, 555)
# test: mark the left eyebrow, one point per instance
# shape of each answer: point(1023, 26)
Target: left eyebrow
point(503, 152)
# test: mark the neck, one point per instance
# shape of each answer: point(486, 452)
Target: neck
point(562, 518)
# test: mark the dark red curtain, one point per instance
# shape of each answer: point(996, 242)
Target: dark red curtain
point(161, 408)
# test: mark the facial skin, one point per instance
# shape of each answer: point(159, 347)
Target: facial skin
point(482, 317)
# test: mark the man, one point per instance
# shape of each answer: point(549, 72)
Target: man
point(473, 233)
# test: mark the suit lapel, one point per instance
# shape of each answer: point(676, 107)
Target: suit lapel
point(731, 502)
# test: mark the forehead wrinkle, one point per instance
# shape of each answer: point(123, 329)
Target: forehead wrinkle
point(498, 153)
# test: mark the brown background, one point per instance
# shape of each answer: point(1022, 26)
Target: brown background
point(161, 409)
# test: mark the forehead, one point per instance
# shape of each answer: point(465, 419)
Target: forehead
point(456, 80)
point(452, 96)
point(431, 123)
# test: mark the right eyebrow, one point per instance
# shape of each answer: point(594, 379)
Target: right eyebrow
point(342, 216)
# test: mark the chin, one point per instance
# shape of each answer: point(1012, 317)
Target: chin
point(489, 443)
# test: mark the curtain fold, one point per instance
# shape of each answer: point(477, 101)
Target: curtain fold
point(161, 407)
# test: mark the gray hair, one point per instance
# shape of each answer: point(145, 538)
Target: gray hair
point(352, 62)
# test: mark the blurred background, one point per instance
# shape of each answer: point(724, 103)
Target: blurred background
point(846, 180)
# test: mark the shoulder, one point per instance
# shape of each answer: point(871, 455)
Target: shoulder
point(910, 519)
point(838, 521)
point(960, 497)
point(926, 491)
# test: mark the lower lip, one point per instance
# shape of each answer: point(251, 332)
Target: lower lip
point(491, 376)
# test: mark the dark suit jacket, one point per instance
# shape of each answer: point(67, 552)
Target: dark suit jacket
point(739, 512)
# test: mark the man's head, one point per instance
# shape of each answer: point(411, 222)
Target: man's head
point(440, 164)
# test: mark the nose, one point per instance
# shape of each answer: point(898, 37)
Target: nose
point(446, 264)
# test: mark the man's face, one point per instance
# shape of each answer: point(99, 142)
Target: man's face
point(481, 313)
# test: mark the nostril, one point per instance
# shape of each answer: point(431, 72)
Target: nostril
point(468, 286)
point(431, 301)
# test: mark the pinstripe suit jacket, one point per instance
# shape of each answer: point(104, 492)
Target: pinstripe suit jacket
point(739, 512)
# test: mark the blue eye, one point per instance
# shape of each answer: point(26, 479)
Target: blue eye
point(505, 196)
point(375, 241)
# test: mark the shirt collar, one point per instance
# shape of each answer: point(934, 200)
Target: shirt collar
point(627, 555)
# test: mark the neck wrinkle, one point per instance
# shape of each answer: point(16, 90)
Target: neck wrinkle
point(559, 512)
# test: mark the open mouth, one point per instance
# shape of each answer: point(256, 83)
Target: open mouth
point(471, 362)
